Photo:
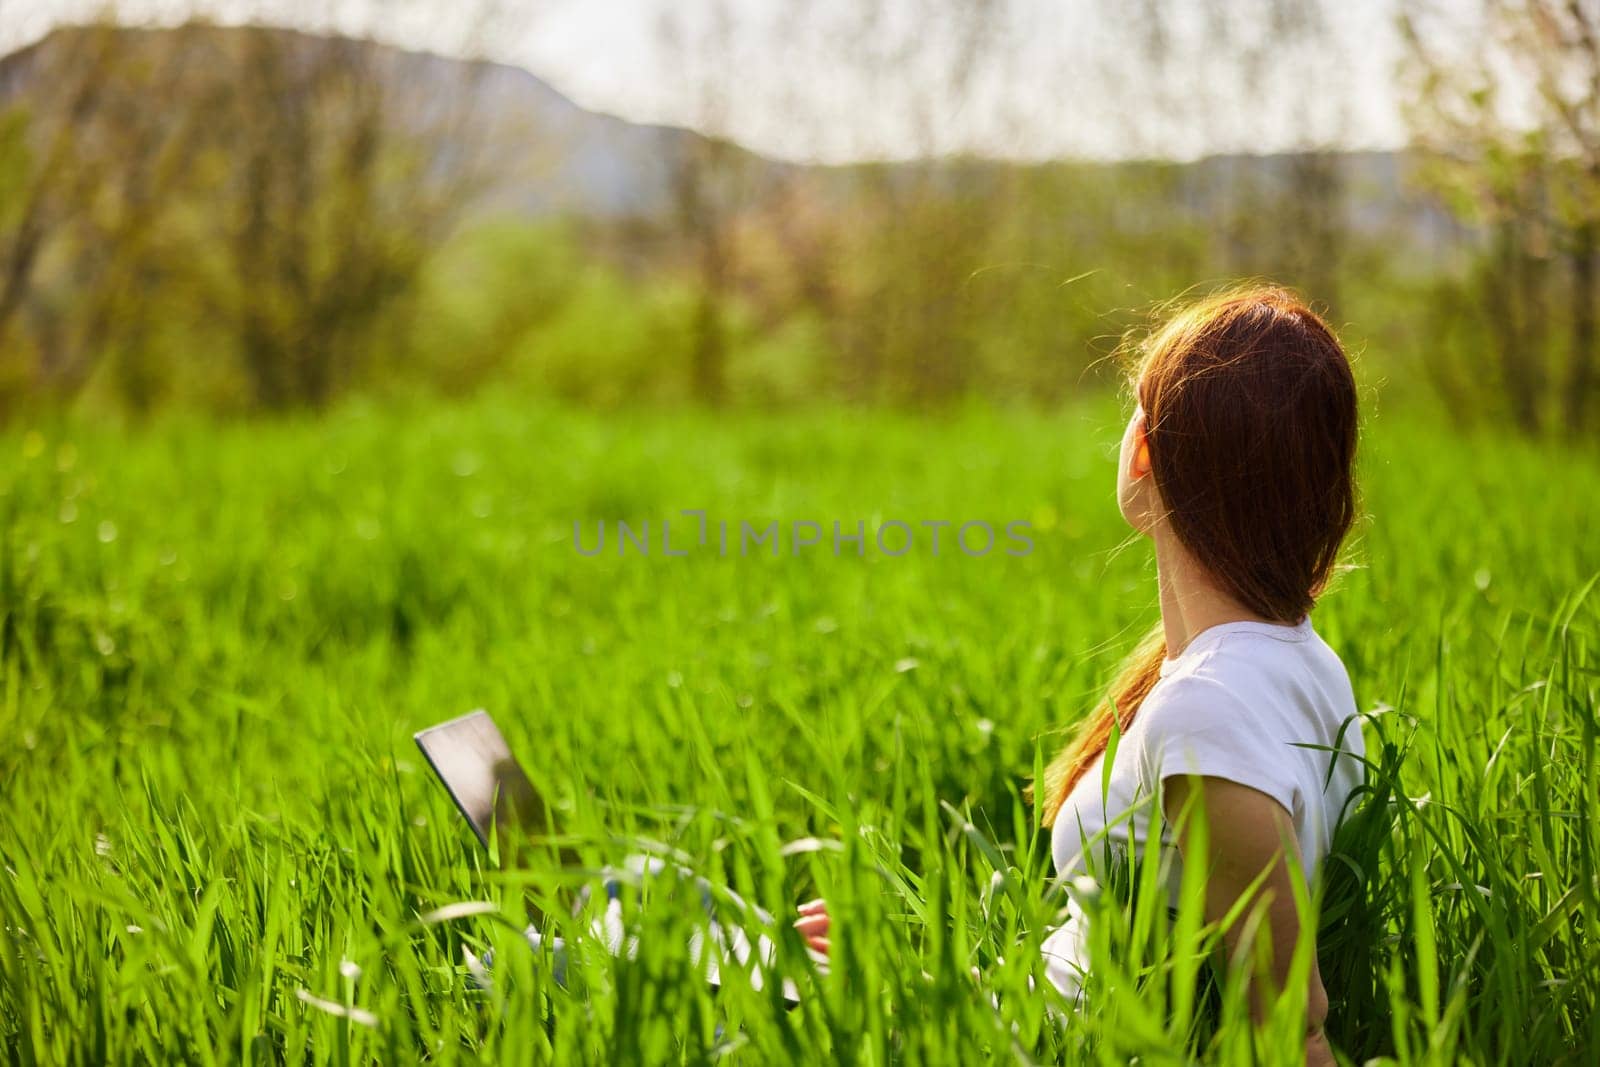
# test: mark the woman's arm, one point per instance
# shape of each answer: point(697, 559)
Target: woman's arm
point(1251, 833)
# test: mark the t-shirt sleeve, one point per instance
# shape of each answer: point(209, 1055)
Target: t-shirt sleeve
point(1196, 726)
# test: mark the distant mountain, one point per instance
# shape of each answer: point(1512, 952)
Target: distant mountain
point(551, 156)
point(564, 159)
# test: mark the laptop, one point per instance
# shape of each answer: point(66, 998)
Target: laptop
point(494, 794)
point(489, 786)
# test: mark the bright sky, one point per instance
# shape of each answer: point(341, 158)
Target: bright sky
point(853, 79)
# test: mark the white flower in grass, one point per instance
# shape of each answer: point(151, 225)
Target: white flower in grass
point(475, 967)
point(802, 845)
point(460, 910)
point(350, 969)
point(356, 1015)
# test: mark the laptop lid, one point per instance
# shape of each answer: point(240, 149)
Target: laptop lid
point(485, 780)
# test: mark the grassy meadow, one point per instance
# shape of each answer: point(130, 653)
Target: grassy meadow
point(219, 844)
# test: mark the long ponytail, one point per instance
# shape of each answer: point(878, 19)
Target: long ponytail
point(1138, 676)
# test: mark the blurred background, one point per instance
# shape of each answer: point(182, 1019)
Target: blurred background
point(230, 207)
point(325, 326)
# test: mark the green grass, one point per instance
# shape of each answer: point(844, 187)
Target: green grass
point(217, 641)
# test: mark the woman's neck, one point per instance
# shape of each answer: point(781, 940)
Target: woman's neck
point(1190, 600)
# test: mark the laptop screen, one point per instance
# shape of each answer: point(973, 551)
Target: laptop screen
point(487, 783)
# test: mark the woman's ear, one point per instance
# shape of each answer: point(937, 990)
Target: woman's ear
point(1141, 450)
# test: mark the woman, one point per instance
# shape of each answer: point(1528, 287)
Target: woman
point(1237, 465)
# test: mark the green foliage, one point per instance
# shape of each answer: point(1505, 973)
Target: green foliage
point(520, 303)
point(611, 343)
point(488, 288)
point(16, 160)
point(222, 218)
point(219, 843)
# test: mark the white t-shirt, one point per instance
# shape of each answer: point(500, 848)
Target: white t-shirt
point(1238, 703)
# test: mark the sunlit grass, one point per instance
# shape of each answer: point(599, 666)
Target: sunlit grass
point(218, 842)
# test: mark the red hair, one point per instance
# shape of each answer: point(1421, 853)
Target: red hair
point(1250, 418)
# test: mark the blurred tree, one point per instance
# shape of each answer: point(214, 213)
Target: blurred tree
point(247, 216)
point(1506, 107)
point(705, 177)
point(334, 181)
point(283, 192)
point(47, 187)
point(709, 185)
